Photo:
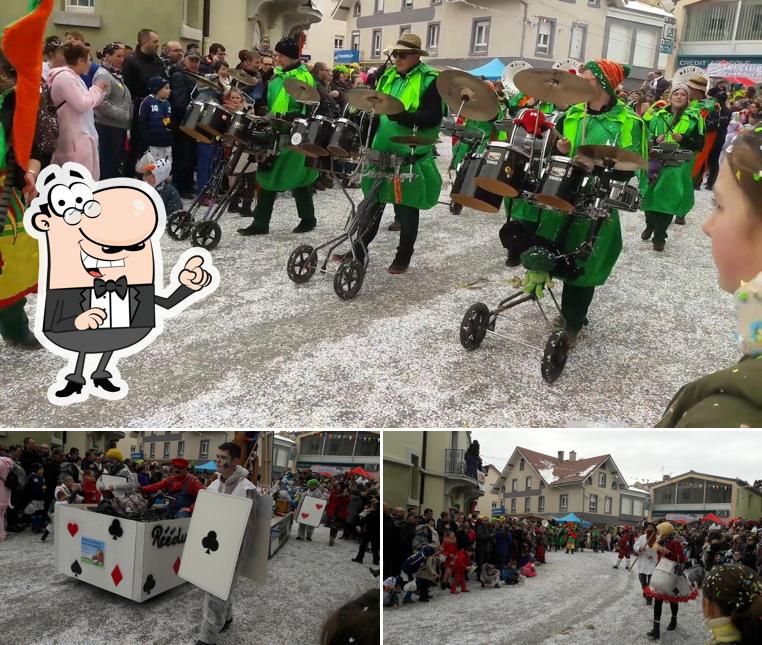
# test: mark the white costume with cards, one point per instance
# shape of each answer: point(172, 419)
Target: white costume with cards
point(305, 530)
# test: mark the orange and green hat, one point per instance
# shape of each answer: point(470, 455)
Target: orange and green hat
point(608, 73)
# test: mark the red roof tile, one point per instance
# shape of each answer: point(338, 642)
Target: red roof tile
point(566, 472)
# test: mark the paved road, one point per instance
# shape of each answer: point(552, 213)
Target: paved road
point(576, 599)
point(263, 351)
point(305, 583)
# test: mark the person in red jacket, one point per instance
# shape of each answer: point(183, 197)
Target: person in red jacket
point(460, 565)
point(337, 510)
point(89, 488)
point(183, 486)
point(624, 546)
point(449, 551)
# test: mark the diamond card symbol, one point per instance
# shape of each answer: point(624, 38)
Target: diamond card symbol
point(176, 565)
point(116, 575)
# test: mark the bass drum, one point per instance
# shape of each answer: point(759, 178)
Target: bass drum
point(192, 122)
point(345, 139)
point(562, 185)
point(240, 128)
point(312, 141)
point(502, 169)
point(623, 196)
point(467, 193)
point(216, 119)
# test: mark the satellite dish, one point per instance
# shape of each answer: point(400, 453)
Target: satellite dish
point(567, 65)
point(511, 69)
point(684, 74)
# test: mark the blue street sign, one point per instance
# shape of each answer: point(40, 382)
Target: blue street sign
point(346, 56)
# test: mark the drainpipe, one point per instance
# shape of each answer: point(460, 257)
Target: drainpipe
point(523, 28)
point(735, 25)
point(423, 467)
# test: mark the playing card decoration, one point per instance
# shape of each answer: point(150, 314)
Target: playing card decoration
point(72, 528)
point(150, 583)
point(117, 575)
point(310, 510)
point(115, 530)
point(76, 568)
point(210, 542)
point(176, 565)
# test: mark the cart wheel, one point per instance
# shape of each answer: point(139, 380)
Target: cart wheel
point(348, 279)
point(556, 353)
point(455, 208)
point(179, 225)
point(301, 264)
point(474, 327)
point(206, 234)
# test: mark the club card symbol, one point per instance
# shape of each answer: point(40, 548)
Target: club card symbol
point(115, 529)
point(72, 528)
point(210, 542)
point(76, 568)
point(149, 584)
point(102, 293)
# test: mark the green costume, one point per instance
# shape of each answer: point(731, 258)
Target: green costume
point(288, 171)
point(422, 192)
point(672, 192)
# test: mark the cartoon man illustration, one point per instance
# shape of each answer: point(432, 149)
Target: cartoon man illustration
point(101, 274)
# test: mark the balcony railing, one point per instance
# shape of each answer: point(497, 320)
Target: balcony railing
point(455, 462)
point(723, 22)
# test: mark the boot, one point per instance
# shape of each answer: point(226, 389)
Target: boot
point(331, 540)
point(647, 233)
point(649, 600)
point(654, 633)
point(45, 535)
point(245, 209)
point(672, 624)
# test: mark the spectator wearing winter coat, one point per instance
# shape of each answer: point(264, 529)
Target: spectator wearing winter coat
point(183, 90)
point(421, 537)
point(114, 115)
point(336, 510)
point(353, 510)
point(77, 136)
point(156, 119)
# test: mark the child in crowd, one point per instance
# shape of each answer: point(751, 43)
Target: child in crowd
point(511, 574)
point(528, 570)
point(490, 576)
point(66, 493)
point(35, 484)
point(89, 489)
point(156, 119)
point(156, 172)
point(391, 593)
point(449, 551)
point(460, 565)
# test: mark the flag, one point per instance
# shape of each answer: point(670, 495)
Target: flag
point(22, 45)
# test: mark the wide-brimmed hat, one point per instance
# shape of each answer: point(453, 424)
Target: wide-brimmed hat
point(697, 83)
point(408, 43)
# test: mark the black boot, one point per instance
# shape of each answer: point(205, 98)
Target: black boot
point(71, 388)
point(647, 233)
point(106, 384)
point(245, 209)
point(672, 624)
point(654, 633)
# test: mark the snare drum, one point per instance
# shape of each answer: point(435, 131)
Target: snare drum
point(502, 169)
point(623, 196)
point(345, 139)
point(240, 128)
point(311, 137)
point(216, 119)
point(561, 186)
point(192, 122)
point(466, 192)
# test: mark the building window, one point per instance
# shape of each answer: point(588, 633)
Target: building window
point(480, 36)
point(432, 37)
point(376, 43)
point(357, 9)
point(593, 503)
point(527, 504)
point(540, 503)
point(339, 443)
point(181, 449)
point(593, 3)
point(564, 503)
point(80, 6)
point(607, 505)
point(203, 451)
point(404, 29)
point(356, 40)
point(625, 507)
point(414, 477)
point(646, 47)
point(577, 41)
point(338, 42)
point(718, 493)
point(529, 483)
point(521, 464)
point(544, 44)
point(132, 448)
point(514, 485)
point(142, 448)
point(750, 21)
point(690, 491)
point(613, 484)
point(152, 452)
point(379, 6)
point(407, 4)
point(166, 450)
point(637, 507)
point(589, 481)
point(602, 480)
point(436, 2)
point(712, 21)
point(513, 505)
point(494, 505)
point(665, 494)
point(368, 445)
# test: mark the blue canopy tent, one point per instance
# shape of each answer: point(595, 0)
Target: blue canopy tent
point(492, 71)
point(210, 466)
point(571, 517)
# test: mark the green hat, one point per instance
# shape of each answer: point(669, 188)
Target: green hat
point(312, 482)
point(608, 73)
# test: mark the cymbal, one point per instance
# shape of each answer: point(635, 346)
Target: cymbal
point(553, 86)
point(623, 159)
point(301, 91)
point(242, 77)
point(205, 82)
point(282, 126)
point(372, 101)
point(460, 88)
point(414, 140)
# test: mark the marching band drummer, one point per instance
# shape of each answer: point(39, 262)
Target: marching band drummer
point(289, 171)
point(413, 83)
point(668, 192)
point(602, 120)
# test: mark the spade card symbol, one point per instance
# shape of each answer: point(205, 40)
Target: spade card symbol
point(116, 529)
point(318, 506)
point(76, 568)
point(305, 516)
point(149, 584)
point(210, 542)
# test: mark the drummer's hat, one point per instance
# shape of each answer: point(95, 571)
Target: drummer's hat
point(697, 83)
point(408, 43)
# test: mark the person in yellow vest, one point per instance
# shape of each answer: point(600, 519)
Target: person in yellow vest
point(413, 83)
point(289, 171)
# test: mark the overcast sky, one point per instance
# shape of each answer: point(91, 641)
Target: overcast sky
point(639, 454)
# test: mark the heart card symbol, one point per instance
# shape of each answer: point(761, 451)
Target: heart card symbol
point(305, 516)
point(72, 528)
point(76, 568)
point(210, 542)
point(149, 584)
point(318, 506)
point(116, 529)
